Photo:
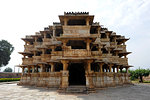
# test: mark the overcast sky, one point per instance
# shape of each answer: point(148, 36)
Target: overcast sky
point(130, 18)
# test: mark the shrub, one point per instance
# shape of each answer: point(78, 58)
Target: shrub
point(138, 74)
point(9, 79)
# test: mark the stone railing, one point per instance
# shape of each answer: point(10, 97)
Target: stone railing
point(37, 33)
point(28, 48)
point(113, 44)
point(46, 74)
point(47, 41)
point(26, 75)
point(106, 55)
point(95, 53)
point(123, 47)
point(45, 57)
point(94, 35)
point(114, 59)
point(26, 61)
point(36, 59)
point(38, 44)
point(67, 47)
point(77, 52)
point(123, 61)
point(76, 31)
point(122, 37)
point(35, 74)
point(95, 24)
point(104, 40)
point(29, 37)
point(57, 53)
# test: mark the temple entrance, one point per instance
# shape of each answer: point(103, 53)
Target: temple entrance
point(77, 74)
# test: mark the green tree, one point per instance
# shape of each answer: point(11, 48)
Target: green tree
point(8, 69)
point(139, 73)
point(5, 51)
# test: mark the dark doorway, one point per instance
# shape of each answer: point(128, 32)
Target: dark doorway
point(77, 74)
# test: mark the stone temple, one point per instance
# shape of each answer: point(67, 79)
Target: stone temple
point(75, 52)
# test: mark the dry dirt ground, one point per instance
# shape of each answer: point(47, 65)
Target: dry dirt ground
point(132, 92)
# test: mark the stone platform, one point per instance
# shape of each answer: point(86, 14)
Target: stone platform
point(127, 92)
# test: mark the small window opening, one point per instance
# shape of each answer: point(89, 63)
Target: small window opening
point(39, 40)
point(48, 51)
point(38, 53)
point(76, 44)
point(95, 67)
point(58, 67)
point(58, 48)
point(58, 32)
point(104, 50)
point(103, 35)
point(77, 22)
point(95, 48)
point(48, 36)
point(93, 30)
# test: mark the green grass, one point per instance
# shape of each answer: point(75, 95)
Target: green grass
point(9, 79)
point(137, 81)
point(146, 82)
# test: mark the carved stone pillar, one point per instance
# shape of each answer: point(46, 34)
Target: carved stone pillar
point(34, 53)
point(114, 69)
point(110, 66)
point(64, 44)
point(23, 70)
point(65, 21)
point(89, 65)
point(65, 83)
point(121, 70)
point(89, 80)
point(43, 51)
point(33, 70)
point(107, 35)
point(124, 42)
point(53, 48)
point(37, 69)
point(65, 64)
point(115, 41)
point(106, 69)
point(54, 29)
point(116, 53)
point(101, 67)
point(44, 35)
point(108, 50)
point(65, 74)
point(118, 69)
point(35, 39)
point(89, 73)
point(87, 22)
point(127, 69)
point(125, 56)
point(88, 45)
point(98, 31)
point(41, 67)
point(52, 67)
point(29, 70)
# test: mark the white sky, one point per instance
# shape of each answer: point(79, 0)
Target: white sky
point(130, 18)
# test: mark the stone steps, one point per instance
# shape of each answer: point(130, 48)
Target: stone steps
point(76, 89)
